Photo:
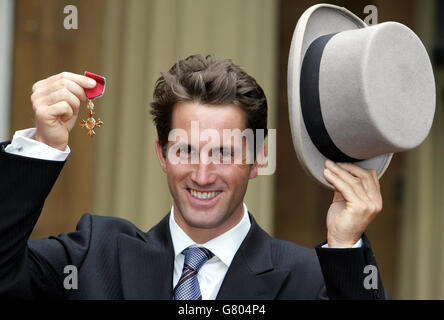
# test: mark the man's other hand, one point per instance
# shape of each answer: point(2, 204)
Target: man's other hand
point(356, 202)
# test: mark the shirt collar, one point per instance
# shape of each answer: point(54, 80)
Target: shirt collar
point(223, 246)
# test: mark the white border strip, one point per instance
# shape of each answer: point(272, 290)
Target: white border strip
point(6, 44)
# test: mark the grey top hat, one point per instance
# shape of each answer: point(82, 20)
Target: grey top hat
point(356, 93)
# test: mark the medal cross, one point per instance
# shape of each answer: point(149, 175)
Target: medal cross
point(91, 123)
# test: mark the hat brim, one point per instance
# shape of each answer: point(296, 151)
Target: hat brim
point(316, 21)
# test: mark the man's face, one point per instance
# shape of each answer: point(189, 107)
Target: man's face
point(208, 197)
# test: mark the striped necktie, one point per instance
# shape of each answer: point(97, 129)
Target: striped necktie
point(188, 287)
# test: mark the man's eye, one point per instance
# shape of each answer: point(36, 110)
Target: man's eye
point(226, 153)
point(184, 151)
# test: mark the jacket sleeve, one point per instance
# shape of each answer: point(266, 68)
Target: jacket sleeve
point(32, 269)
point(351, 273)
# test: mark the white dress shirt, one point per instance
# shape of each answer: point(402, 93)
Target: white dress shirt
point(224, 247)
point(23, 144)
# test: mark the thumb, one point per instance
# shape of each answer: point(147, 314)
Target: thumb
point(337, 197)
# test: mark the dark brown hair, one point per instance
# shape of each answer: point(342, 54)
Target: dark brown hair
point(209, 81)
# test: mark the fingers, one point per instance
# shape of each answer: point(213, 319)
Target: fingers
point(57, 102)
point(63, 110)
point(349, 185)
point(62, 83)
point(354, 182)
point(60, 110)
point(370, 181)
point(369, 178)
point(341, 186)
point(83, 81)
point(62, 94)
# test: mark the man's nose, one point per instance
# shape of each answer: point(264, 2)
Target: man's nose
point(203, 174)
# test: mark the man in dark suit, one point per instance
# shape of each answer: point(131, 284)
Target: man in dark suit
point(209, 246)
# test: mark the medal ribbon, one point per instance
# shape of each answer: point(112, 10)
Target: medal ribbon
point(99, 89)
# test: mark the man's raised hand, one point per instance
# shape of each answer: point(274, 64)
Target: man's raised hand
point(56, 102)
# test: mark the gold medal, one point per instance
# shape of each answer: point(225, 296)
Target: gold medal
point(93, 93)
point(91, 123)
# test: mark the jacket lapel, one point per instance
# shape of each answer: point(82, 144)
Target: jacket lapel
point(146, 263)
point(251, 274)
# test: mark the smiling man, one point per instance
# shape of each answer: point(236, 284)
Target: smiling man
point(208, 246)
point(208, 196)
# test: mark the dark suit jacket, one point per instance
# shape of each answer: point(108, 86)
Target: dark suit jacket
point(116, 260)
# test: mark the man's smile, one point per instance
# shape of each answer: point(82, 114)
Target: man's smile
point(203, 198)
point(203, 194)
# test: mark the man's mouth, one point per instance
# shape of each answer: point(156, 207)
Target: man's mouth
point(203, 195)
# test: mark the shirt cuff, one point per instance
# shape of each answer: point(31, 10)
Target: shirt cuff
point(356, 245)
point(23, 144)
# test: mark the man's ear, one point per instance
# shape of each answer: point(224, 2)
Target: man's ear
point(160, 156)
point(261, 155)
